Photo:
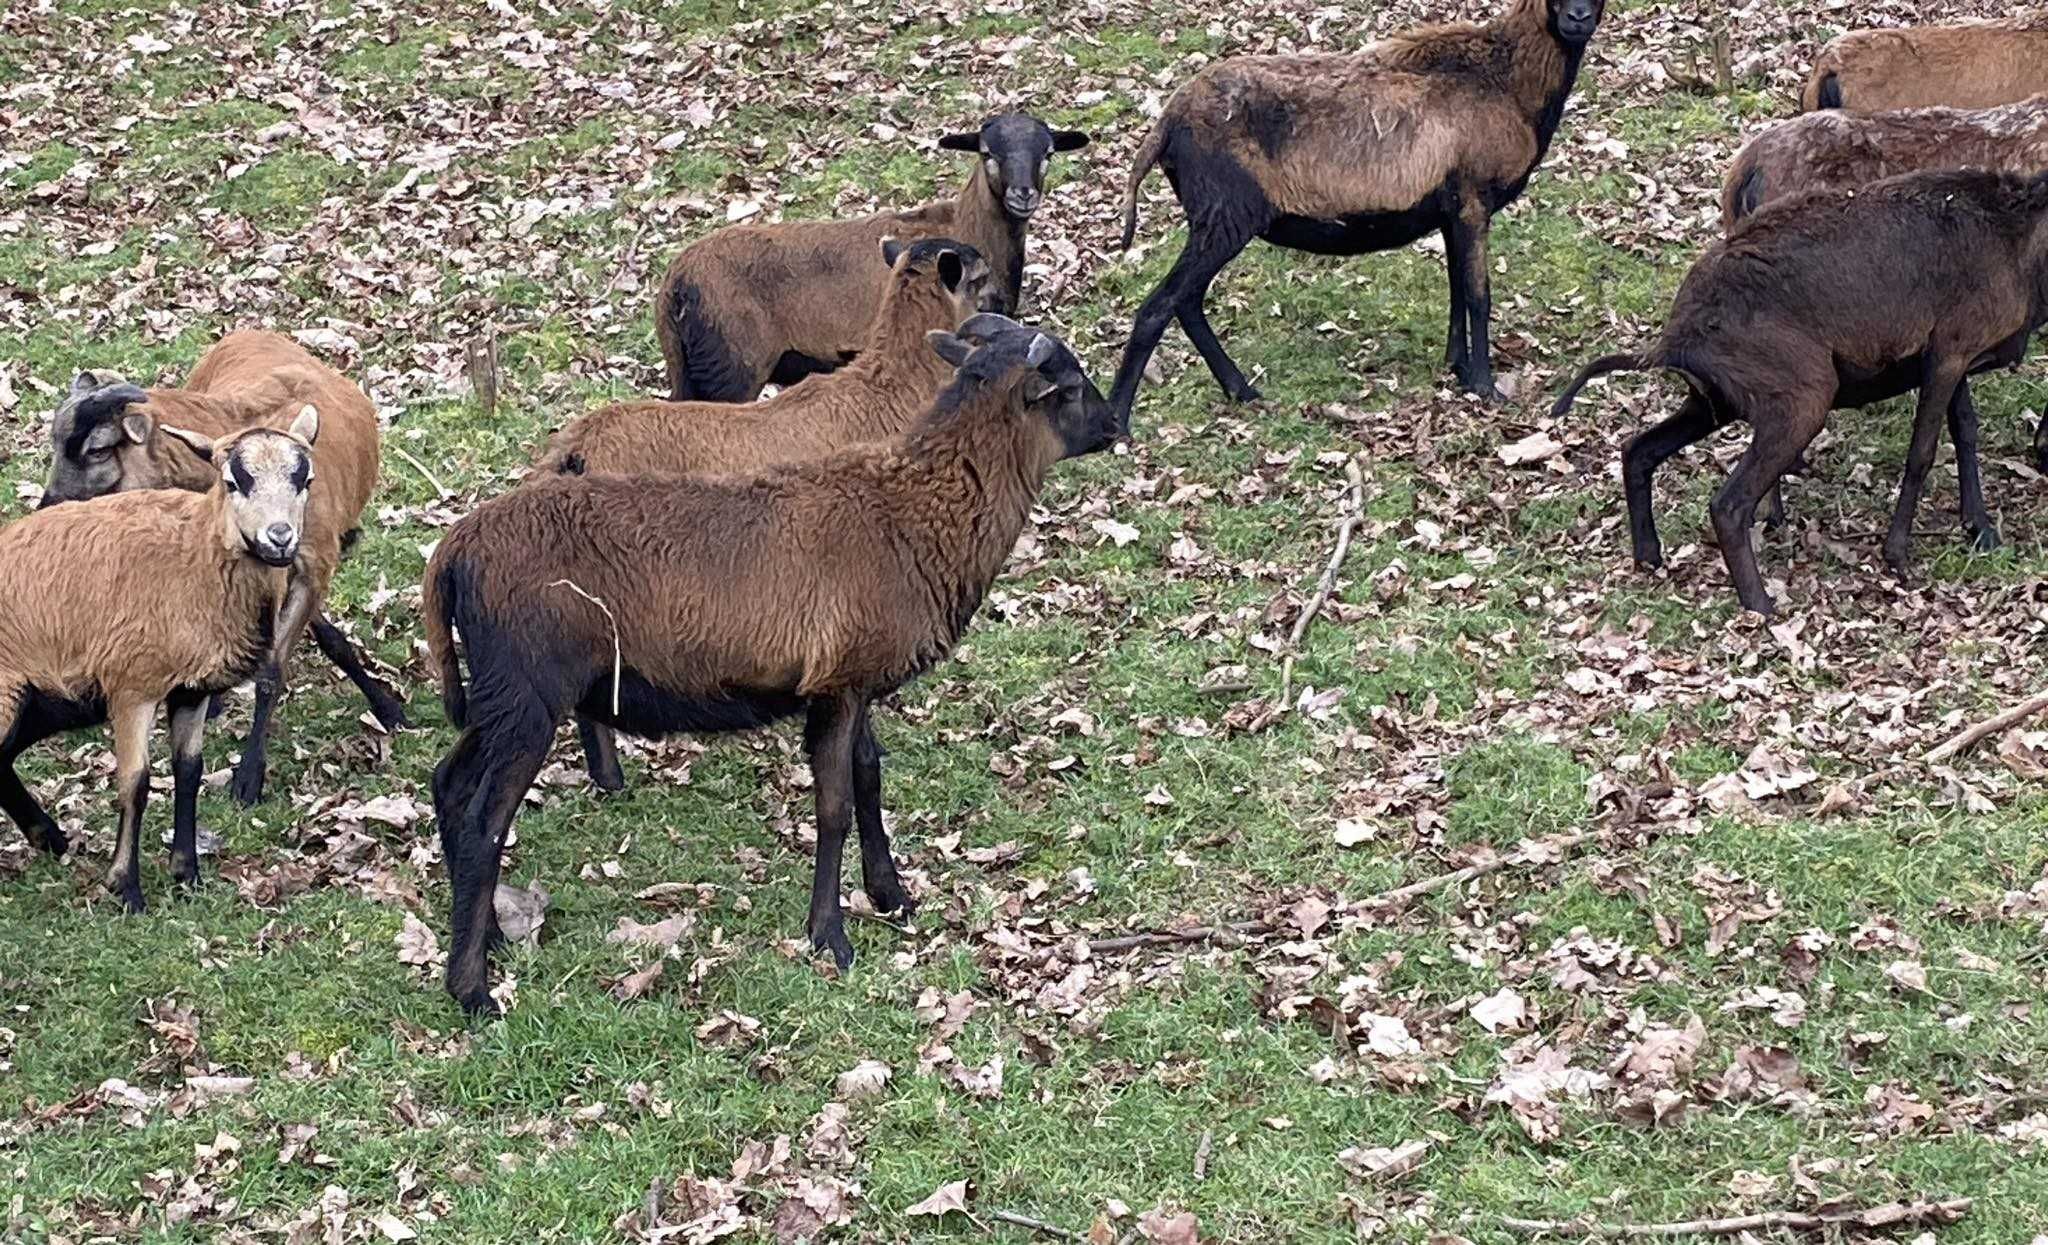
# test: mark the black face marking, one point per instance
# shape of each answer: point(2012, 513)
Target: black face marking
point(239, 478)
point(302, 474)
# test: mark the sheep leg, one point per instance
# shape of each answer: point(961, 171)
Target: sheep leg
point(1772, 449)
point(1639, 462)
point(292, 617)
point(474, 868)
point(2041, 445)
point(1194, 321)
point(878, 874)
point(188, 729)
point(22, 809)
point(1962, 425)
point(385, 705)
point(1468, 265)
point(131, 783)
point(1937, 390)
point(829, 732)
point(1213, 242)
point(1456, 342)
point(600, 754)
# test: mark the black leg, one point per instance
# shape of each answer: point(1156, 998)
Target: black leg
point(1771, 450)
point(830, 731)
point(877, 867)
point(600, 755)
point(1639, 462)
point(292, 617)
point(1456, 343)
point(1212, 243)
point(1937, 390)
point(384, 703)
point(1962, 425)
point(22, 809)
point(473, 869)
point(188, 729)
point(1468, 266)
point(1194, 321)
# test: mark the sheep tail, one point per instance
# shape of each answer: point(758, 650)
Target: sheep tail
point(1601, 367)
point(1148, 156)
point(437, 610)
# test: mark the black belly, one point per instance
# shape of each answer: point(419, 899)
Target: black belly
point(648, 710)
point(1856, 387)
point(42, 715)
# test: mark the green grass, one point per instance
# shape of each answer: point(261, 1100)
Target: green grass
point(1504, 676)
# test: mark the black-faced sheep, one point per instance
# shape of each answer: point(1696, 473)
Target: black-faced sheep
point(813, 588)
point(123, 604)
point(1432, 130)
point(755, 304)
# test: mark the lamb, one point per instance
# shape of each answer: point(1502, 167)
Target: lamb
point(812, 588)
point(937, 284)
point(106, 439)
point(1835, 299)
point(1434, 129)
point(82, 644)
point(1972, 65)
point(755, 304)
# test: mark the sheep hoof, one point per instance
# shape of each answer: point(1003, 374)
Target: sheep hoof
point(185, 875)
point(479, 1005)
point(1984, 539)
point(1650, 559)
point(390, 715)
point(891, 899)
point(608, 778)
point(49, 839)
point(1248, 393)
point(247, 787)
point(834, 939)
point(130, 895)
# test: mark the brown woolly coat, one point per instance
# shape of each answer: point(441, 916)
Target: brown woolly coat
point(1833, 150)
point(876, 397)
point(1379, 130)
point(251, 378)
point(795, 285)
point(1972, 65)
point(855, 571)
point(130, 597)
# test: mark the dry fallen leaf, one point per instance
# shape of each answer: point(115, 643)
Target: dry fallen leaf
point(943, 1201)
point(865, 1079)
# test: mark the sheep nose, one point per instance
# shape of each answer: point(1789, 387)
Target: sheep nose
point(280, 535)
point(1022, 202)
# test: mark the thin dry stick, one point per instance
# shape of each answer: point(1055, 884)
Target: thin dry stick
point(1401, 894)
point(421, 467)
point(1202, 1154)
point(1797, 1221)
point(1355, 494)
point(1016, 1220)
point(1990, 726)
point(618, 660)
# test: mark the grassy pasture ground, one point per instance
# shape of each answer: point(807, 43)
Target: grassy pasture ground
point(1764, 979)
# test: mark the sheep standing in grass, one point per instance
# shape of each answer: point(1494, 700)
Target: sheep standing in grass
point(935, 284)
point(755, 304)
point(118, 606)
point(1837, 299)
point(1971, 65)
point(107, 439)
point(1432, 130)
point(725, 603)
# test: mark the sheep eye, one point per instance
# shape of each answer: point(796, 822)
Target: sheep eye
point(993, 167)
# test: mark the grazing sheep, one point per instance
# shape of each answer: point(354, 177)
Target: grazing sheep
point(1837, 299)
point(1434, 129)
point(122, 604)
point(1972, 65)
point(105, 439)
point(754, 304)
point(938, 283)
point(725, 603)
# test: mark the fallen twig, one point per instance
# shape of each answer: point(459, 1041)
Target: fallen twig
point(417, 465)
point(1895, 1214)
point(618, 659)
point(1202, 1154)
point(1355, 493)
point(1989, 726)
point(1402, 894)
point(1016, 1220)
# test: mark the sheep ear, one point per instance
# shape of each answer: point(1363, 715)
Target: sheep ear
point(1037, 389)
point(202, 446)
point(135, 426)
point(983, 326)
point(952, 349)
point(84, 383)
point(1040, 351)
point(1068, 140)
point(306, 427)
point(892, 250)
point(961, 142)
point(950, 269)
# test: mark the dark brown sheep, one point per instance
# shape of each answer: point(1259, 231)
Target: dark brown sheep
point(755, 304)
point(813, 588)
point(106, 438)
point(937, 284)
point(1971, 65)
point(114, 607)
point(1435, 129)
point(1838, 299)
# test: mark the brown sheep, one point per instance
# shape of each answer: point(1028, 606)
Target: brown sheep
point(1972, 65)
point(813, 588)
point(1434, 129)
point(755, 304)
point(83, 641)
point(105, 440)
point(1837, 299)
point(938, 284)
